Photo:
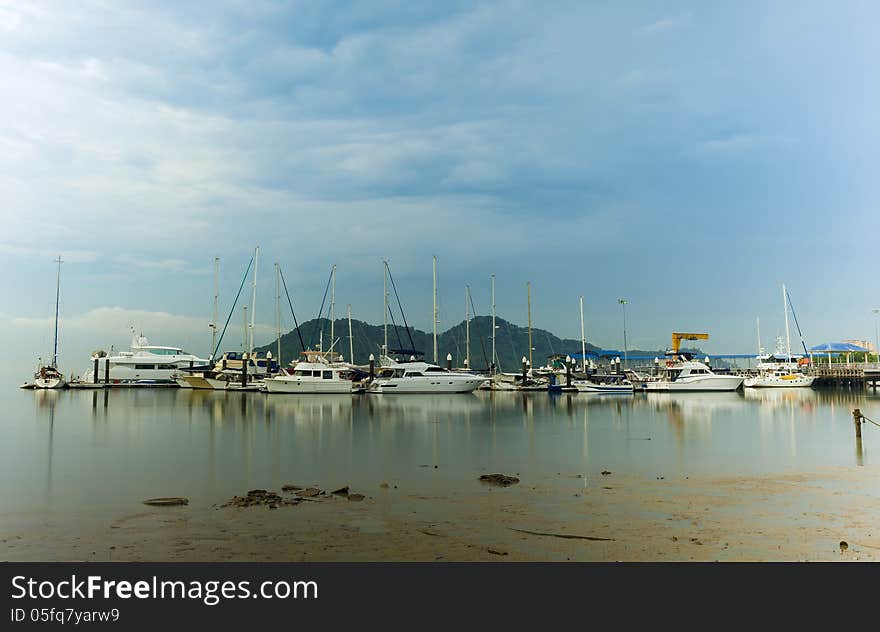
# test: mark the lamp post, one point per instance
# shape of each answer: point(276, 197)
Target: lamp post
point(623, 303)
point(876, 311)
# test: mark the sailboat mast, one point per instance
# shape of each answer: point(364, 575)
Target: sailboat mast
point(278, 314)
point(333, 305)
point(57, 297)
point(385, 303)
point(350, 338)
point(785, 310)
point(216, 300)
point(244, 331)
point(254, 300)
point(529, 295)
point(435, 310)
point(467, 326)
point(493, 323)
point(758, 325)
point(583, 338)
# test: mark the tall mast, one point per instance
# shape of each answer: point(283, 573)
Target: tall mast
point(278, 314)
point(529, 294)
point(385, 303)
point(583, 338)
point(493, 323)
point(467, 326)
point(758, 325)
point(332, 305)
point(57, 297)
point(254, 301)
point(435, 310)
point(787, 338)
point(213, 324)
point(350, 338)
point(244, 331)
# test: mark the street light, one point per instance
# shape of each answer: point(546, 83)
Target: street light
point(623, 303)
point(876, 311)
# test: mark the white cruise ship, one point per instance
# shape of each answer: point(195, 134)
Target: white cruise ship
point(143, 364)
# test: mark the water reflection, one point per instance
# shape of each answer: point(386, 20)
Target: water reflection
point(108, 446)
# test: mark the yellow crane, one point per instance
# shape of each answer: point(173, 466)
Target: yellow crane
point(677, 337)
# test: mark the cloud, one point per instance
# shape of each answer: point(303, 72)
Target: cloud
point(666, 24)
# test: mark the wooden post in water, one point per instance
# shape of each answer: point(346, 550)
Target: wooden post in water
point(372, 366)
point(524, 369)
point(244, 368)
point(857, 420)
point(95, 372)
point(568, 371)
point(448, 361)
point(107, 370)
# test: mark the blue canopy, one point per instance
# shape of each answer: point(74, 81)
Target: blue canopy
point(838, 347)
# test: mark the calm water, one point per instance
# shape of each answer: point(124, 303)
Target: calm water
point(82, 454)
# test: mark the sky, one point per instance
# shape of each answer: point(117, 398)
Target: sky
point(690, 157)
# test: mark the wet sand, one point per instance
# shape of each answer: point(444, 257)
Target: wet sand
point(786, 517)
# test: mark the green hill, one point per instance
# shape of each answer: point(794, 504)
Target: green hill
point(512, 342)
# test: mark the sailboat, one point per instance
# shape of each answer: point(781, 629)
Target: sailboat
point(48, 376)
point(593, 383)
point(780, 369)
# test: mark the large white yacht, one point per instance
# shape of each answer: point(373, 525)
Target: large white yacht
point(684, 374)
point(314, 374)
point(421, 377)
point(143, 364)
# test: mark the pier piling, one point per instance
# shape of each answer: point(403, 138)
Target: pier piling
point(857, 420)
point(372, 366)
point(95, 372)
point(106, 370)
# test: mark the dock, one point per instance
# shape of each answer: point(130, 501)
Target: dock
point(856, 376)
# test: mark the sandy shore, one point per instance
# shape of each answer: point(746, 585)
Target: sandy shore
point(628, 518)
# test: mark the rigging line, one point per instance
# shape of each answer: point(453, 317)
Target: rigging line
point(289, 302)
point(243, 279)
point(397, 296)
point(803, 344)
point(396, 331)
point(482, 346)
point(321, 311)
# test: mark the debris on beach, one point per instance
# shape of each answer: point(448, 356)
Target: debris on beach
point(172, 501)
point(843, 546)
point(565, 536)
point(605, 472)
point(496, 552)
point(342, 491)
point(309, 492)
point(290, 488)
point(259, 497)
point(499, 479)
point(356, 497)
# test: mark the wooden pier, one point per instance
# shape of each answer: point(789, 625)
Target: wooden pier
point(856, 376)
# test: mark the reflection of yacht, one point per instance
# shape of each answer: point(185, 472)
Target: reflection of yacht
point(143, 364)
point(778, 396)
point(696, 406)
point(421, 377)
point(688, 375)
point(313, 375)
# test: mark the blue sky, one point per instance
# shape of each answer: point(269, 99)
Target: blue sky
point(688, 156)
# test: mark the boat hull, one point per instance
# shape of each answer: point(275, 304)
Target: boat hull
point(308, 387)
point(590, 387)
point(425, 386)
point(713, 383)
point(798, 381)
point(49, 382)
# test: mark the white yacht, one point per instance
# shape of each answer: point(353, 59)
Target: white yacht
point(779, 369)
point(226, 373)
point(611, 383)
point(683, 374)
point(421, 377)
point(144, 364)
point(313, 375)
point(48, 377)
